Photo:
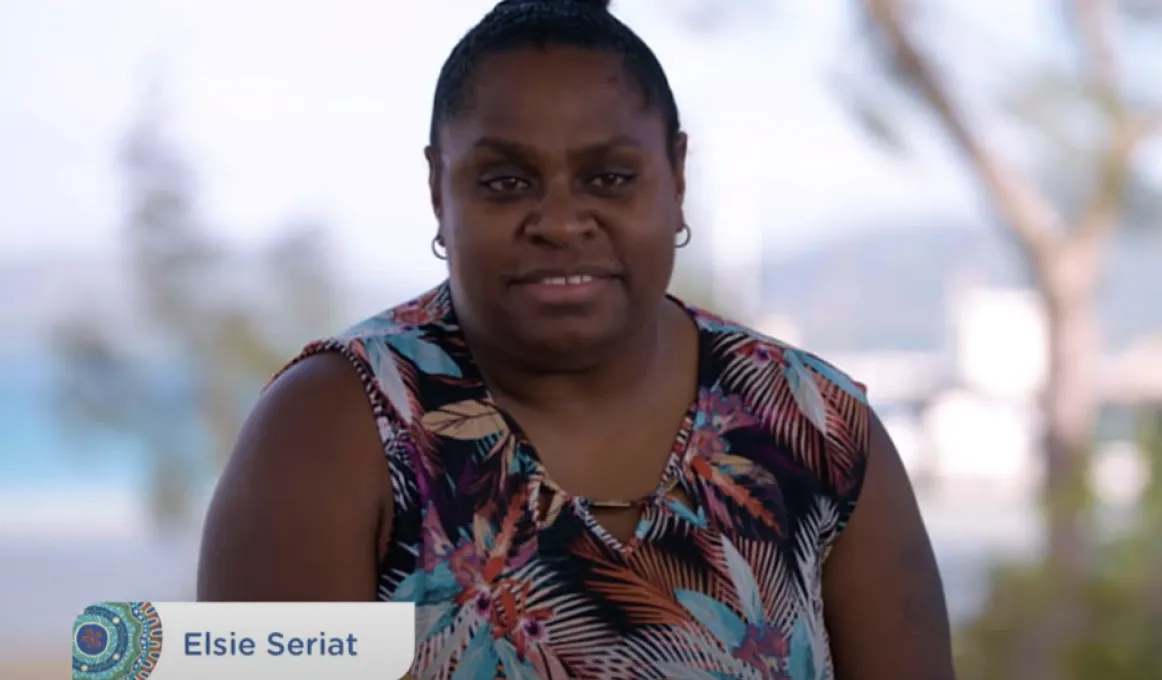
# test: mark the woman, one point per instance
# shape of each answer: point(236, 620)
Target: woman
point(574, 475)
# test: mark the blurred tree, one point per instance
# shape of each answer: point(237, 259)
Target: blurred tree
point(177, 369)
point(1087, 125)
point(1121, 598)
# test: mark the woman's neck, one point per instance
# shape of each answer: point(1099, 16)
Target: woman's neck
point(624, 369)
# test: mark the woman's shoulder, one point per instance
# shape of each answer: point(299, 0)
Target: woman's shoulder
point(770, 363)
point(813, 411)
point(431, 309)
point(422, 330)
point(389, 350)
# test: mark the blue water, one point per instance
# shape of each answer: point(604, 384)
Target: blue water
point(40, 451)
point(39, 447)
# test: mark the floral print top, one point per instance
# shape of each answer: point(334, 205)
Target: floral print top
point(722, 576)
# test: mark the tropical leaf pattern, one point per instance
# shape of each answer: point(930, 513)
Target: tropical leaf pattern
point(722, 577)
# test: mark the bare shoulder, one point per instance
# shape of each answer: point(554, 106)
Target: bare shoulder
point(885, 607)
point(300, 510)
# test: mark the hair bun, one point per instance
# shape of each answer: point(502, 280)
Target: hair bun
point(592, 5)
point(598, 5)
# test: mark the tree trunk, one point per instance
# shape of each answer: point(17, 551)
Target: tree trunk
point(1071, 403)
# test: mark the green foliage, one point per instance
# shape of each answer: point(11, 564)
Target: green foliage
point(1121, 600)
point(175, 366)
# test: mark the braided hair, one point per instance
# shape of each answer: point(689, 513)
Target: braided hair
point(540, 24)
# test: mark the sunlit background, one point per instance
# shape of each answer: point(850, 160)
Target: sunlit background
point(190, 190)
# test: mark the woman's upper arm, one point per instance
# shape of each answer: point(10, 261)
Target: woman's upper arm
point(884, 600)
point(302, 509)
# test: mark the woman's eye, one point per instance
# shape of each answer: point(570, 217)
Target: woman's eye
point(505, 185)
point(611, 180)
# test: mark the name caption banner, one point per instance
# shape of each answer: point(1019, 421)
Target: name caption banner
point(199, 640)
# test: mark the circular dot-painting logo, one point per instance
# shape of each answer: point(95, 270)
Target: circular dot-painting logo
point(116, 641)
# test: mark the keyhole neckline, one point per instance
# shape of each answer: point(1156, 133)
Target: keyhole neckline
point(540, 481)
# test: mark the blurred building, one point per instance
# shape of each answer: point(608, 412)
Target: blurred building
point(967, 416)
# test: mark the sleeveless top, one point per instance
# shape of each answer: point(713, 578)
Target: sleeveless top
point(719, 581)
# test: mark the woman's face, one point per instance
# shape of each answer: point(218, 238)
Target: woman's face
point(558, 201)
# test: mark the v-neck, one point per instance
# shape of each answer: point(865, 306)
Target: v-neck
point(538, 481)
point(773, 466)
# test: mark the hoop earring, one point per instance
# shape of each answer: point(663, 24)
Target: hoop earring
point(438, 243)
point(684, 235)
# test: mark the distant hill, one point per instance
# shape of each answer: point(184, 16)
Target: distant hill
point(886, 289)
point(878, 289)
point(50, 287)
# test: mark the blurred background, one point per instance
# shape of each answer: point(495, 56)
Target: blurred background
point(957, 201)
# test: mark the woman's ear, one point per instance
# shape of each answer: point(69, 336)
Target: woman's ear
point(435, 177)
point(679, 155)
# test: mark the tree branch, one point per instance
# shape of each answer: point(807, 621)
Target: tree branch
point(1150, 125)
point(1034, 219)
point(1115, 175)
point(1096, 24)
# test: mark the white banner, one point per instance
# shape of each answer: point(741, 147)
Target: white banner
point(211, 640)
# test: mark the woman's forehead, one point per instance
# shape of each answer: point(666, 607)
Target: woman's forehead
point(559, 98)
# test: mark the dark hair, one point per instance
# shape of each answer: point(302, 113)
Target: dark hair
point(586, 24)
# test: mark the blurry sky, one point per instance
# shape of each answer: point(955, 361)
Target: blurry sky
point(321, 108)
